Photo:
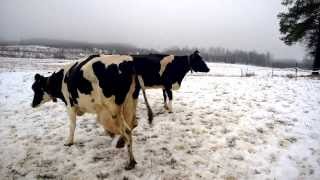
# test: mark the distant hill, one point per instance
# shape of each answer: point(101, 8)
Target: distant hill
point(69, 44)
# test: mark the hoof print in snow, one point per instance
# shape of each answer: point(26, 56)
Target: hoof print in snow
point(230, 178)
point(260, 130)
point(46, 176)
point(270, 125)
point(238, 157)
point(256, 172)
point(225, 131)
point(172, 163)
point(231, 142)
point(80, 144)
point(292, 139)
point(97, 158)
point(287, 141)
point(102, 175)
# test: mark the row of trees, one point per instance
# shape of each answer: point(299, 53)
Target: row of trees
point(227, 56)
point(209, 54)
point(243, 57)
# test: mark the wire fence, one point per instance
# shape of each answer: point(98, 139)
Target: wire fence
point(295, 72)
point(236, 70)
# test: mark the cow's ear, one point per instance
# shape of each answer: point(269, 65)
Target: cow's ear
point(37, 77)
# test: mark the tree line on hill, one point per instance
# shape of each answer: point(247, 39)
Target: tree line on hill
point(61, 49)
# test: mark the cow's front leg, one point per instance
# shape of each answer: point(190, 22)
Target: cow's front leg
point(72, 126)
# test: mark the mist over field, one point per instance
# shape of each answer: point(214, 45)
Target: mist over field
point(236, 25)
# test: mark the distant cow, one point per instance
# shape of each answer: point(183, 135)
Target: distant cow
point(166, 72)
point(101, 84)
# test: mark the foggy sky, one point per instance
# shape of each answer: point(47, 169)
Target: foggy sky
point(234, 24)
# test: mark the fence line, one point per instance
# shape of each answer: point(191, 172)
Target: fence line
point(232, 71)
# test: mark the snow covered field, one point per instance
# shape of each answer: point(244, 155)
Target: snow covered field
point(223, 127)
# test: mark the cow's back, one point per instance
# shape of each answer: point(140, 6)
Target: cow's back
point(98, 82)
point(151, 68)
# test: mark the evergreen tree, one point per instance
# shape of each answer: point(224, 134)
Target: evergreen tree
point(301, 23)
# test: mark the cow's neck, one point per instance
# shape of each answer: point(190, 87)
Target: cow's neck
point(54, 85)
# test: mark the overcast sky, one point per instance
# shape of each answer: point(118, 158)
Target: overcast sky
point(234, 24)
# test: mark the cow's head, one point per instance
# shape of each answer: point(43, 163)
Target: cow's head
point(197, 64)
point(40, 90)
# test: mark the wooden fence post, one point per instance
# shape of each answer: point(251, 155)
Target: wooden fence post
point(296, 71)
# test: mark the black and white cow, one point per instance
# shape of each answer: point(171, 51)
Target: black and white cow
point(109, 85)
point(166, 72)
point(101, 84)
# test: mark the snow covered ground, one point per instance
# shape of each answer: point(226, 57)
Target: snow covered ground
point(223, 127)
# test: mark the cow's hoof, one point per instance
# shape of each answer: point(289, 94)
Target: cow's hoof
point(150, 119)
point(68, 144)
point(130, 165)
point(120, 143)
point(150, 116)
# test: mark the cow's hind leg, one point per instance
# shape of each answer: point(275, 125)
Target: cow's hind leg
point(150, 113)
point(165, 99)
point(109, 133)
point(132, 161)
point(72, 126)
point(169, 93)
